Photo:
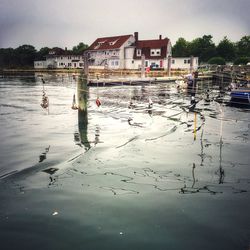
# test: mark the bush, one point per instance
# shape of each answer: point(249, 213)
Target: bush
point(217, 60)
point(242, 60)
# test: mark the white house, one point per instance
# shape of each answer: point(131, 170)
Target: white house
point(125, 52)
point(185, 63)
point(156, 53)
point(110, 51)
point(60, 59)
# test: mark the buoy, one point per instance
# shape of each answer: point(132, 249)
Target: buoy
point(45, 101)
point(98, 102)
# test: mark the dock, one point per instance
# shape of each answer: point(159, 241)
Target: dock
point(99, 82)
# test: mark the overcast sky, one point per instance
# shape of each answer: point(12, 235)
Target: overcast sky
point(65, 23)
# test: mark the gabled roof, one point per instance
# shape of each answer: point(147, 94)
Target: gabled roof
point(108, 43)
point(147, 45)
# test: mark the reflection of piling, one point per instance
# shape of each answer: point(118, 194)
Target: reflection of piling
point(221, 170)
point(195, 124)
point(193, 175)
point(83, 127)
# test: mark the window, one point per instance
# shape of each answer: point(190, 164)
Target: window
point(173, 61)
point(113, 42)
point(138, 52)
point(155, 52)
point(116, 63)
point(69, 64)
point(185, 61)
point(146, 63)
point(188, 61)
point(132, 62)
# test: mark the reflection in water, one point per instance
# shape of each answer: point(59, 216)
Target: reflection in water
point(193, 175)
point(51, 172)
point(83, 128)
point(97, 135)
point(42, 156)
point(221, 171)
point(153, 162)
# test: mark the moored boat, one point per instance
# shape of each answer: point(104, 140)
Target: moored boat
point(240, 92)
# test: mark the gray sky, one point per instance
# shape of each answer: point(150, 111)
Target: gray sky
point(65, 23)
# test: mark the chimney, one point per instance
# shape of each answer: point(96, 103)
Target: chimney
point(136, 37)
point(65, 48)
point(160, 37)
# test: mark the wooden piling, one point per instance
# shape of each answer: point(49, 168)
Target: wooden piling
point(142, 66)
point(169, 65)
point(191, 64)
point(82, 97)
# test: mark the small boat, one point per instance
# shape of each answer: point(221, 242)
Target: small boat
point(240, 92)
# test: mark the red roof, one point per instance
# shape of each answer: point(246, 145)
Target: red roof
point(108, 43)
point(147, 45)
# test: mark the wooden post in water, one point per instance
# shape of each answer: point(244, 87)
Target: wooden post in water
point(142, 66)
point(82, 94)
point(169, 65)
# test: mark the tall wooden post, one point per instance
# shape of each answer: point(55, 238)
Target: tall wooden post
point(169, 65)
point(142, 66)
point(86, 63)
point(82, 94)
point(191, 64)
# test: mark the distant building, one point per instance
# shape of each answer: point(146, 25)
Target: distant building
point(60, 59)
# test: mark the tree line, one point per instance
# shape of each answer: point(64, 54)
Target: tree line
point(203, 47)
point(25, 55)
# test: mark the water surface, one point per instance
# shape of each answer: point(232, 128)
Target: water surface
point(126, 175)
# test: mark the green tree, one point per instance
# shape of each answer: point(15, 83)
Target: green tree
point(203, 47)
point(226, 49)
point(242, 60)
point(181, 48)
point(79, 49)
point(26, 55)
point(243, 46)
point(7, 58)
point(217, 60)
point(40, 55)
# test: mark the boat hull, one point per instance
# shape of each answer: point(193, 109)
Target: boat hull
point(241, 95)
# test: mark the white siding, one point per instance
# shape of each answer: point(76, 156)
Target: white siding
point(40, 64)
point(184, 62)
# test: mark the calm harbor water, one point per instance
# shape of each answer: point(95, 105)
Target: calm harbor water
point(171, 176)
